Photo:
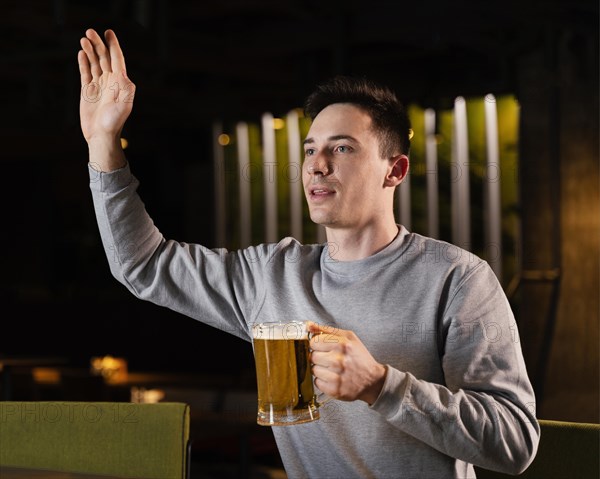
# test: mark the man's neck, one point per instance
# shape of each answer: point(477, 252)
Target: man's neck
point(352, 245)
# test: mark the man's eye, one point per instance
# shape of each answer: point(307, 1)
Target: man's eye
point(309, 152)
point(342, 149)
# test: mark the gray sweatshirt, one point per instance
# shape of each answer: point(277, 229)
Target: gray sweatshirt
point(456, 392)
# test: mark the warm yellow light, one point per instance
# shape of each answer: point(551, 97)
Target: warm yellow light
point(124, 143)
point(411, 133)
point(224, 139)
point(278, 123)
point(46, 375)
point(146, 396)
point(111, 368)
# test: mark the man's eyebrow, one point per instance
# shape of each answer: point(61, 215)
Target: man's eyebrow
point(333, 138)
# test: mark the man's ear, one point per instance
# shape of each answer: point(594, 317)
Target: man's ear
point(397, 171)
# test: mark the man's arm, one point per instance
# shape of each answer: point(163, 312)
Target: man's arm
point(106, 99)
point(484, 414)
point(211, 286)
point(216, 287)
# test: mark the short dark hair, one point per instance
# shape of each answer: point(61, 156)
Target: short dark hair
point(389, 117)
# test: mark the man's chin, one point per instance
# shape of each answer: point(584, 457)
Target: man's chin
point(322, 220)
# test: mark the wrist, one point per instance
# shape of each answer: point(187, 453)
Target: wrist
point(106, 153)
point(374, 390)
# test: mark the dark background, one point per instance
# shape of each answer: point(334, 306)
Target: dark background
point(197, 62)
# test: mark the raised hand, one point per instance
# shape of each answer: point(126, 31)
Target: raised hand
point(106, 96)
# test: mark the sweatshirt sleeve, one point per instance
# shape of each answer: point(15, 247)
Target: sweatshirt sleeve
point(216, 287)
point(484, 413)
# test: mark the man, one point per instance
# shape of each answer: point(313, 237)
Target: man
point(423, 354)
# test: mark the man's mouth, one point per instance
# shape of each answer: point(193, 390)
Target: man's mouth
point(320, 192)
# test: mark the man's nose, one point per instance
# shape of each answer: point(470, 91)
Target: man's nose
point(318, 165)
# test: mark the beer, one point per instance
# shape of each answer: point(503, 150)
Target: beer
point(284, 379)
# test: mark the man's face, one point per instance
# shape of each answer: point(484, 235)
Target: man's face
point(343, 172)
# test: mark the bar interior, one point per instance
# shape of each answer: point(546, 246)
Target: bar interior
point(503, 100)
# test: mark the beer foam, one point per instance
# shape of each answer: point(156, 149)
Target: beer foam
point(280, 331)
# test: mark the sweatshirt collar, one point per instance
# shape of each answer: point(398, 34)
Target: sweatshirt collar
point(364, 265)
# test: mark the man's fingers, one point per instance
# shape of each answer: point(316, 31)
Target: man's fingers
point(116, 54)
point(323, 342)
point(92, 58)
point(325, 376)
point(326, 359)
point(100, 49)
point(84, 68)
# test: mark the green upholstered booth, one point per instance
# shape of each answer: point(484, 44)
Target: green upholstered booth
point(567, 450)
point(147, 441)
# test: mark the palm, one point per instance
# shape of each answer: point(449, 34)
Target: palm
point(105, 105)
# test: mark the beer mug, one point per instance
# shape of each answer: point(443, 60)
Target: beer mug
point(283, 374)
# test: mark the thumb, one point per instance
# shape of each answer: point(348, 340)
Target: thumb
point(315, 328)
